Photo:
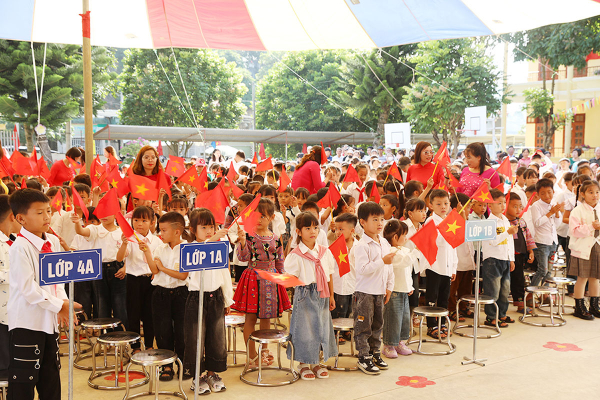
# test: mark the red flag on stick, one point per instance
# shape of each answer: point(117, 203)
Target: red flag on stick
point(231, 173)
point(175, 166)
point(323, 155)
point(340, 253)
point(395, 172)
point(442, 158)
point(115, 180)
point(505, 168)
point(424, 239)
point(261, 152)
point(57, 202)
point(285, 280)
point(455, 183)
point(124, 225)
point(266, 165)
point(108, 205)
point(483, 194)
point(375, 193)
point(284, 180)
point(452, 228)
point(143, 188)
point(78, 201)
point(255, 159)
point(216, 201)
point(164, 182)
point(352, 175)
point(251, 222)
point(251, 207)
point(159, 148)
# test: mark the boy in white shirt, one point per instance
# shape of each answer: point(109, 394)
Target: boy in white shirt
point(374, 285)
point(498, 262)
point(343, 287)
point(544, 216)
point(34, 311)
point(63, 226)
point(359, 191)
point(439, 274)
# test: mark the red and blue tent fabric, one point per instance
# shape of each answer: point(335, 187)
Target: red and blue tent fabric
point(279, 25)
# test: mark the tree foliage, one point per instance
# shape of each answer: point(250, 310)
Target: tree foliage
point(464, 77)
point(369, 80)
point(213, 85)
point(62, 97)
point(557, 45)
point(288, 102)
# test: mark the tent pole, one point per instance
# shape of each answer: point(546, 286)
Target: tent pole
point(286, 146)
point(87, 91)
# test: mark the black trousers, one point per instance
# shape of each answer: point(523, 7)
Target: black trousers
point(214, 338)
point(168, 313)
point(517, 277)
point(4, 351)
point(139, 307)
point(437, 293)
point(34, 364)
point(413, 299)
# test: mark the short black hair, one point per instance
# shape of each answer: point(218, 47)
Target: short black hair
point(530, 189)
point(173, 218)
point(241, 154)
point(568, 176)
point(266, 207)
point(305, 219)
point(33, 184)
point(393, 228)
point(347, 217)
point(83, 178)
point(92, 216)
point(82, 187)
point(179, 201)
point(520, 171)
point(411, 187)
point(496, 193)
point(143, 212)
point(21, 200)
point(369, 208)
point(302, 192)
point(514, 196)
point(437, 193)
point(310, 205)
point(4, 207)
point(544, 183)
point(530, 173)
point(463, 198)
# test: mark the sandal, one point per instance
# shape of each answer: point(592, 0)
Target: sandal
point(492, 322)
point(166, 374)
point(445, 331)
point(306, 373)
point(321, 372)
point(267, 357)
point(453, 317)
point(508, 319)
point(434, 333)
point(467, 313)
point(342, 340)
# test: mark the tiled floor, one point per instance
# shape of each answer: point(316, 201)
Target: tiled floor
point(518, 367)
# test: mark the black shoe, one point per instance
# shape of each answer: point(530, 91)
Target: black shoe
point(581, 310)
point(166, 374)
point(594, 307)
point(378, 361)
point(365, 364)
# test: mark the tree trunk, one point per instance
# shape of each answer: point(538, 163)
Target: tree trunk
point(455, 136)
point(383, 118)
point(549, 127)
point(28, 137)
point(174, 148)
point(436, 138)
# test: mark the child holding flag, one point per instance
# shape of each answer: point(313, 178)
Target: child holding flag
point(344, 284)
point(311, 328)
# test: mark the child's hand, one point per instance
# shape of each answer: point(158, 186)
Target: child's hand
point(227, 310)
point(489, 183)
point(294, 202)
point(596, 225)
point(96, 190)
point(63, 314)
point(121, 273)
point(512, 230)
point(155, 208)
point(411, 292)
point(331, 303)
point(388, 259)
point(531, 257)
point(512, 266)
point(75, 218)
point(388, 294)
point(124, 240)
point(430, 183)
point(221, 233)
point(143, 247)
point(242, 238)
point(453, 277)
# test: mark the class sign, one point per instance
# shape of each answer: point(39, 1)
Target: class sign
point(480, 230)
point(203, 256)
point(70, 266)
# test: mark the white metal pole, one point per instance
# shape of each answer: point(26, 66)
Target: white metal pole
point(71, 337)
point(199, 344)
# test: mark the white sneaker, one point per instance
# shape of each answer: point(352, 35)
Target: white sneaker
point(203, 388)
point(216, 383)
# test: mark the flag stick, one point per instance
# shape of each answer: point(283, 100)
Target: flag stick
point(433, 174)
point(463, 208)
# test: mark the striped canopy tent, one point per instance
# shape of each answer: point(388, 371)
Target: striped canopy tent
point(279, 24)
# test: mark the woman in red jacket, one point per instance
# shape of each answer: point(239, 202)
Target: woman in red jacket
point(423, 168)
point(61, 170)
point(308, 172)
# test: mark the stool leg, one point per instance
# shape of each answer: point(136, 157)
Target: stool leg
point(181, 378)
point(448, 335)
point(420, 335)
point(352, 341)
point(127, 382)
point(551, 309)
point(337, 342)
point(279, 354)
point(440, 330)
point(259, 355)
point(497, 317)
point(293, 372)
point(94, 359)
point(234, 335)
point(156, 380)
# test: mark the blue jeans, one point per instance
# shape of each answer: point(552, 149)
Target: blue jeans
point(111, 294)
point(496, 283)
point(542, 255)
point(396, 319)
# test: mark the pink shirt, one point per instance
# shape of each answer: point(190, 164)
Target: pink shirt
point(309, 177)
point(471, 181)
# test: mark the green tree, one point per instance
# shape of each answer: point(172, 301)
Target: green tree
point(214, 87)
point(557, 45)
point(362, 90)
point(62, 97)
point(287, 102)
point(464, 77)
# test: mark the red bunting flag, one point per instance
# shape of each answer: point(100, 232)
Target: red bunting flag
point(285, 280)
point(425, 239)
point(505, 168)
point(78, 202)
point(266, 165)
point(57, 202)
point(284, 180)
point(340, 253)
point(452, 228)
point(323, 155)
point(124, 225)
point(483, 194)
point(108, 205)
point(261, 152)
point(352, 175)
point(395, 172)
point(143, 188)
point(375, 193)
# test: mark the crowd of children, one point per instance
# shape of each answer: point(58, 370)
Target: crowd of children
point(375, 215)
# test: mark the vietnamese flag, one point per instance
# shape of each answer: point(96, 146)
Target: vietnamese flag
point(266, 165)
point(75, 166)
point(505, 168)
point(375, 193)
point(108, 205)
point(21, 164)
point(325, 201)
point(452, 228)
point(78, 201)
point(251, 223)
point(261, 152)
point(164, 182)
point(216, 201)
point(442, 158)
point(425, 239)
point(57, 202)
point(112, 160)
point(323, 155)
point(143, 188)
point(43, 170)
point(251, 207)
point(255, 159)
point(455, 183)
point(236, 191)
point(331, 198)
point(99, 175)
point(284, 180)
point(203, 180)
point(69, 203)
point(175, 166)
point(527, 206)
point(340, 253)
point(285, 280)
point(352, 175)
point(395, 172)
point(124, 225)
point(441, 186)
point(115, 180)
point(231, 173)
point(191, 178)
point(483, 194)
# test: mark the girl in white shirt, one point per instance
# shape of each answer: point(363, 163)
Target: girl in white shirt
point(415, 213)
point(584, 231)
point(311, 328)
point(396, 313)
point(218, 298)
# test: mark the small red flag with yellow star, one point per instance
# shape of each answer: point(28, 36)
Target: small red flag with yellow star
point(115, 180)
point(285, 280)
point(340, 253)
point(143, 188)
point(452, 228)
point(175, 166)
point(425, 239)
point(483, 194)
point(57, 202)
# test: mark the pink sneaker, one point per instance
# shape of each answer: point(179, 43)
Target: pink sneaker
point(402, 349)
point(389, 352)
